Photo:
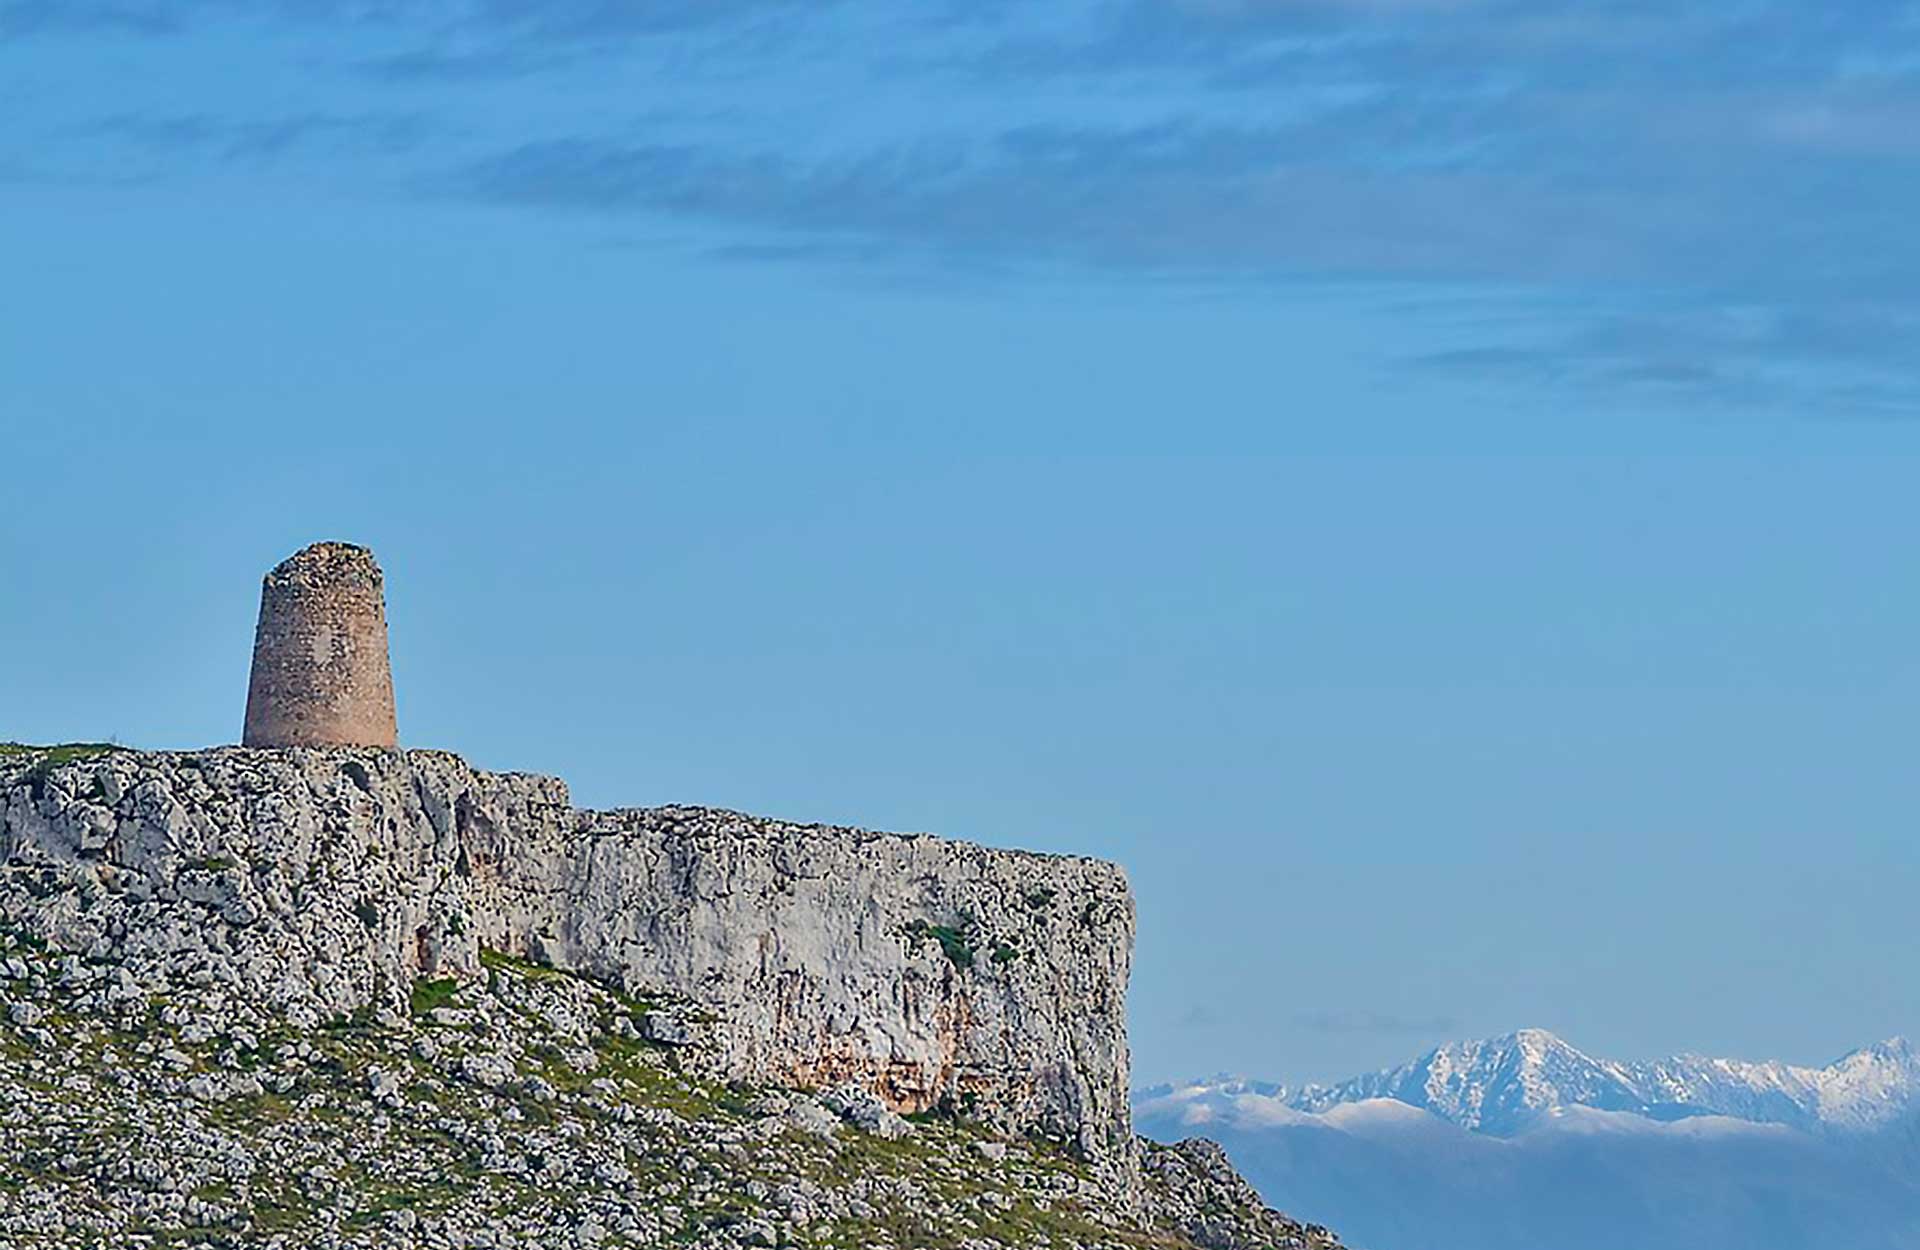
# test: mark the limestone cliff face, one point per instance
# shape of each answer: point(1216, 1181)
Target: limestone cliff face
point(935, 973)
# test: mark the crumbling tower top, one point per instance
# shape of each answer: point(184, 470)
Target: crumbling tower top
point(321, 676)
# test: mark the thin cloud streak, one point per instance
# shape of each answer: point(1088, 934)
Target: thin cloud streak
point(1671, 169)
point(1375, 1023)
point(232, 141)
point(1742, 292)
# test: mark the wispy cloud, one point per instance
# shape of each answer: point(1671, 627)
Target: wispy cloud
point(1838, 359)
point(28, 17)
point(1717, 195)
point(1172, 199)
point(550, 20)
point(232, 140)
point(1375, 1023)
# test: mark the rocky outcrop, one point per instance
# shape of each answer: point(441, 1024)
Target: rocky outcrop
point(1194, 1190)
point(934, 974)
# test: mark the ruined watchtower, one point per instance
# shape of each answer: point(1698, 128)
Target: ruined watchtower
point(320, 672)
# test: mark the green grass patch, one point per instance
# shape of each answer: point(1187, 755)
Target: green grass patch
point(65, 753)
point(428, 995)
point(500, 961)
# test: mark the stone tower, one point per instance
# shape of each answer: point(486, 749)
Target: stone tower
point(320, 672)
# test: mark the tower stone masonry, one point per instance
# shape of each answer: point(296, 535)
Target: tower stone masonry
point(321, 676)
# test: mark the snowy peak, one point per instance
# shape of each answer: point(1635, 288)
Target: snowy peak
point(1495, 1086)
point(1862, 1090)
point(1502, 1086)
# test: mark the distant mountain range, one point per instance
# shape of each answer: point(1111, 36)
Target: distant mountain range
point(1524, 1142)
point(1504, 1085)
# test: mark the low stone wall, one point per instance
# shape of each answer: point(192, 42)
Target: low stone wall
point(936, 973)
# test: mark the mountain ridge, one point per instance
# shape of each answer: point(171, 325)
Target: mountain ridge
point(1699, 1154)
point(1504, 1085)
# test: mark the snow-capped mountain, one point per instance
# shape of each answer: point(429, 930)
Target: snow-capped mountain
point(1497, 1086)
point(1504, 1085)
point(1520, 1142)
point(1864, 1090)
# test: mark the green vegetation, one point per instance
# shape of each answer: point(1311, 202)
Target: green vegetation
point(499, 961)
point(531, 1109)
point(427, 995)
point(955, 941)
point(359, 1020)
point(65, 753)
point(357, 1173)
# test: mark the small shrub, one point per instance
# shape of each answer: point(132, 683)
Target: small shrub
point(428, 995)
point(954, 941)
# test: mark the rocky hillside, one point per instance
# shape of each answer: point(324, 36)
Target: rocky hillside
point(935, 973)
point(197, 1050)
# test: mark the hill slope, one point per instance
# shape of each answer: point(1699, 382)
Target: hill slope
point(156, 1090)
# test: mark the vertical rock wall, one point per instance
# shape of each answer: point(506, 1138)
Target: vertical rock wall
point(938, 974)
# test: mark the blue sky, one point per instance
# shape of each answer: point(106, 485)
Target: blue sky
point(1427, 484)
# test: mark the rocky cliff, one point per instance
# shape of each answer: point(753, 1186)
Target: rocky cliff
point(938, 975)
point(358, 999)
